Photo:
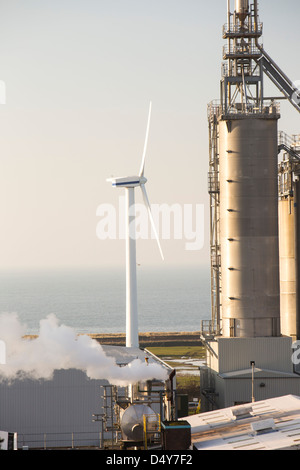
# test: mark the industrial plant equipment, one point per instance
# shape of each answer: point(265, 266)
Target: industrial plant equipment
point(254, 292)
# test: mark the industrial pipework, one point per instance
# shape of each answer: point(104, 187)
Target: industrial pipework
point(255, 287)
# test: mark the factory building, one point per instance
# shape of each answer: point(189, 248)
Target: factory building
point(254, 246)
point(253, 226)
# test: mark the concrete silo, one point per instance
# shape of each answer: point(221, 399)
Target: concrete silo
point(289, 234)
point(249, 226)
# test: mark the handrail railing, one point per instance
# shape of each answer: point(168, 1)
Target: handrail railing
point(60, 440)
point(213, 182)
point(216, 109)
point(226, 72)
point(250, 29)
point(292, 141)
point(208, 328)
point(245, 50)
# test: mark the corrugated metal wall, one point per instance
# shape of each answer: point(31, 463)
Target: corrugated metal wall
point(239, 390)
point(52, 410)
point(268, 353)
point(273, 355)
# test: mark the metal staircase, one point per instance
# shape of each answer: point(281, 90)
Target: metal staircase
point(290, 145)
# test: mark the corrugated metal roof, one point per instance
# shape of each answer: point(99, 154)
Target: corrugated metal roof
point(259, 373)
point(268, 425)
point(124, 355)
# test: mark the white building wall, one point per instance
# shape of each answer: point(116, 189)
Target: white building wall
point(233, 354)
point(240, 390)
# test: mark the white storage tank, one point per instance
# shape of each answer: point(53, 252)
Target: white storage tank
point(132, 422)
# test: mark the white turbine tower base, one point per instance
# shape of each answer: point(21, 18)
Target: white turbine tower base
point(130, 183)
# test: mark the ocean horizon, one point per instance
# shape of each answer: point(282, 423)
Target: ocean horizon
point(93, 301)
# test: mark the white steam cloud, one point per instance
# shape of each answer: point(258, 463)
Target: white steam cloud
point(58, 347)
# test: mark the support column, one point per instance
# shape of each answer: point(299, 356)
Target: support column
point(132, 336)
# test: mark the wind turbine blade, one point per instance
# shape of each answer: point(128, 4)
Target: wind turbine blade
point(146, 142)
point(147, 204)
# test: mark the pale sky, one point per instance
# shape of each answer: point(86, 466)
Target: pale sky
point(79, 77)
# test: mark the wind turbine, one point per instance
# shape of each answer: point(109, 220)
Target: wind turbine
point(130, 183)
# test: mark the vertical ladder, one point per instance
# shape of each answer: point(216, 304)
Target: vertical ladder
point(110, 418)
point(215, 249)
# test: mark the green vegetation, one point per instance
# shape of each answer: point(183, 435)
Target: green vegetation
point(179, 352)
point(188, 384)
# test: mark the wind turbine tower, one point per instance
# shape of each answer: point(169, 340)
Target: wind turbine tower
point(129, 183)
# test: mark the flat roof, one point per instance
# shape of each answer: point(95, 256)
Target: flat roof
point(124, 355)
point(263, 425)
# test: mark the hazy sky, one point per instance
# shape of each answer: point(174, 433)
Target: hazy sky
point(79, 77)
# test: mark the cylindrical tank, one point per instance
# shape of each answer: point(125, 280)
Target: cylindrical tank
point(242, 9)
point(288, 301)
point(297, 252)
point(132, 423)
point(249, 226)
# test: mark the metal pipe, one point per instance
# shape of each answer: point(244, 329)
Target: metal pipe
point(252, 363)
point(255, 17)
point(228, 14)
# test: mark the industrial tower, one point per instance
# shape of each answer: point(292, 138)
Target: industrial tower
point(252, 267)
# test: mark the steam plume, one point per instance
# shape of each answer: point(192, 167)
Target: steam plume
point(58, 347)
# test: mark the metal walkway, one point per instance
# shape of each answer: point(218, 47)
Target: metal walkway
point(278, 77)
point(290, 145)
point(290, 151)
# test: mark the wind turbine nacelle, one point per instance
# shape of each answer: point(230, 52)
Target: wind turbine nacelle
point(128, 181)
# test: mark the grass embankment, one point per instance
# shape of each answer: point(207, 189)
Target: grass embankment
point(179, 352)
point(188, 383)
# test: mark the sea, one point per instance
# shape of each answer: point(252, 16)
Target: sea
point(93, 301)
